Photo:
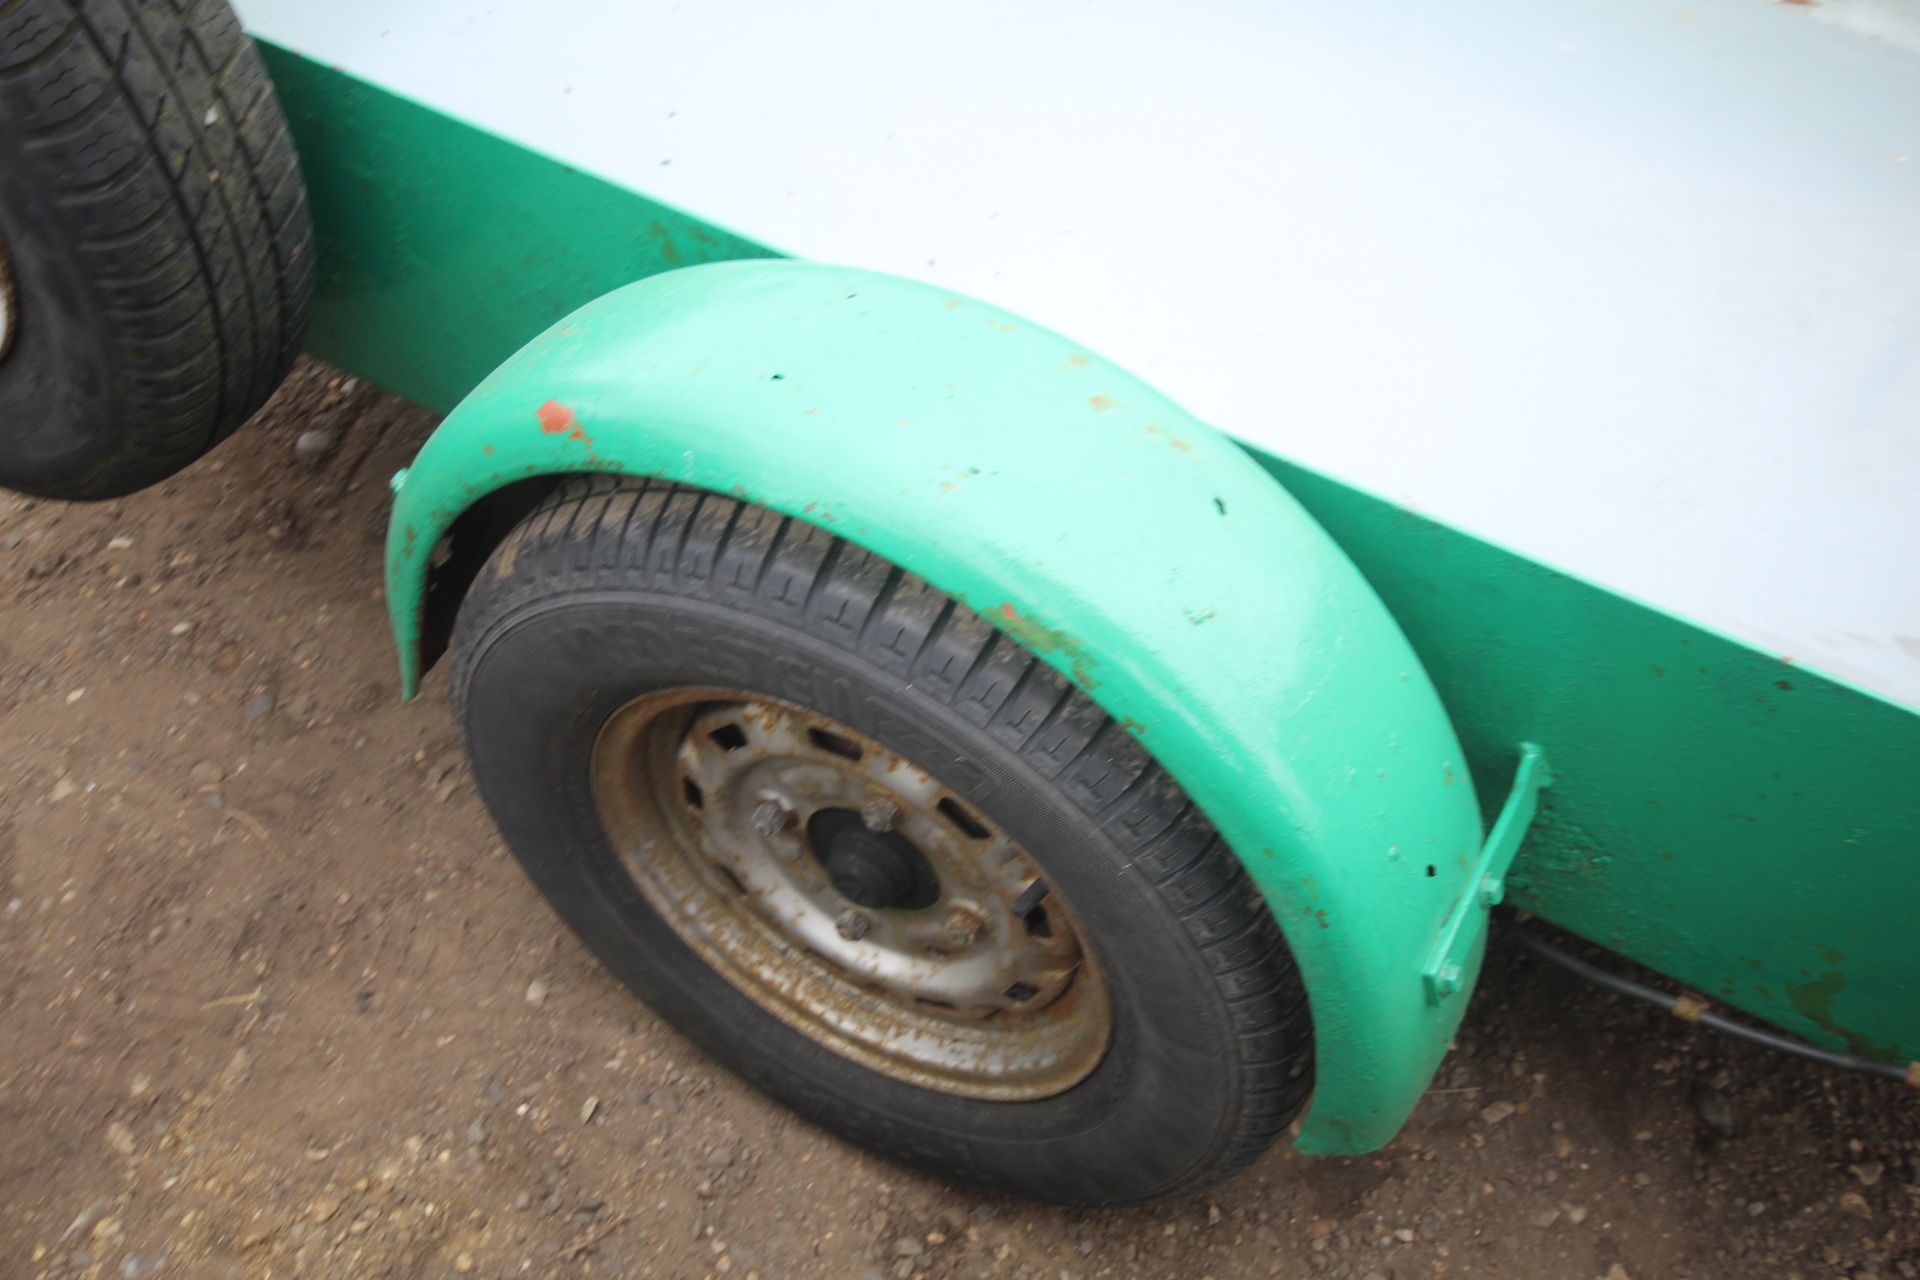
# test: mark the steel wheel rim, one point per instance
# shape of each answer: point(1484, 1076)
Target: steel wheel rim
point(9, 303)
point(793, 854)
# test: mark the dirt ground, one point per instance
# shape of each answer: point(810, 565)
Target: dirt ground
point(274, 1001)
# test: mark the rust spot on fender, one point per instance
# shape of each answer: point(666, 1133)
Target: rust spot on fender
point(557, 419)
point(1100, 403)
point(1050, 642)
point(1177, 442)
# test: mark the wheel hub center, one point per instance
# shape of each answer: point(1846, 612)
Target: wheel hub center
point(873, 869)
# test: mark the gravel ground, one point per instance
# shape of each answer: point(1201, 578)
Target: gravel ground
point(276, 1002)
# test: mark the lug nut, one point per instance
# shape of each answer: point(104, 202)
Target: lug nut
point(770, 818)
point(853, 925)
point(879, 813)
point(960, 929)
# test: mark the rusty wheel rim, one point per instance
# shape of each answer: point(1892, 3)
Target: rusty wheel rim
point(9, 310)
point(848, 893)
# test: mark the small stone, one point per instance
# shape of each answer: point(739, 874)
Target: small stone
point(1617, 1272)
point(523, 1201)
point(180, 628)
point(1576, 1214)
point(908, 1247)
point(1868, 1174)
point(206, 776)
point(142, 1085)
point(476, 1134)
point(1213, 1215)
point(463, 1263)
point(1715, 1109)
point(120, 1137)
point(75, 696)
point(120, 544)
point(1756, 1207)
point(258, 705)
point(323, 1208)
point(1642, 1180)
point(62, 789)
point(1494, 1113)
point(313, 446)
point(721, 1158)
point(588, 1109)
point(537, 992)
point(1546, 1218)
point(1562, 1145)
point(1404, 1235)
point(1378, 1275)
point(1854, 1202)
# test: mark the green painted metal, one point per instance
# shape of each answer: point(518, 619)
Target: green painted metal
point(1723, 815)
point(1445, 974)
point(1136, 550)
point(1754, 841)
point(442, 249)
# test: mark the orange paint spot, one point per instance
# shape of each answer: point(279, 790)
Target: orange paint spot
point(1100, 403)
point(557, 419)
point(1078, 362)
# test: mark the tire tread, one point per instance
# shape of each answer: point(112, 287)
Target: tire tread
point(177, 150)
point(808, 578)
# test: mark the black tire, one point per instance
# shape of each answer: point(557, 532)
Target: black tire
point(618, 588)
point(153, 215)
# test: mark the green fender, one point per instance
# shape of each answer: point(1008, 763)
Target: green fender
point(1138, 551)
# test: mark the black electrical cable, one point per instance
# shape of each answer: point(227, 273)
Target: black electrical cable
point(1693, 1009)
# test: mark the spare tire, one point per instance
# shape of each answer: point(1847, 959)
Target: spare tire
point(156, 261)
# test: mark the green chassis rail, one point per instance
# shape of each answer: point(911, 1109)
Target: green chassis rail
point(1741, 824)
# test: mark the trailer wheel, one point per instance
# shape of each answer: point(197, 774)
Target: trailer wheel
point(154, 232)
point(870, 854)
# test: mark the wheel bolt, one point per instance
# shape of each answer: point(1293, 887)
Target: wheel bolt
point(879, 813)
point(853, 925)
point(960, 929)
point(770, 818)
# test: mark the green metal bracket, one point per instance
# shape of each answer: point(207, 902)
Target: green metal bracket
point(1466, 927)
